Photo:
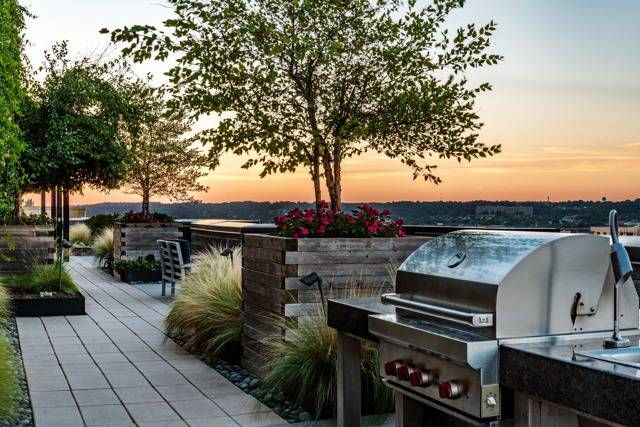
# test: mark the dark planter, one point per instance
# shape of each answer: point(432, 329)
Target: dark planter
point(141, 276)
point(35, 306)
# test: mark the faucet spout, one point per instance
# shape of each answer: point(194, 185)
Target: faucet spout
point(622, 271)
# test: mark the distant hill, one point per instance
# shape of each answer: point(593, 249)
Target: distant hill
point(562, 214)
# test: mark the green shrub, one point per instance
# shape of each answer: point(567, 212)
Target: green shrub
point(103, 248)
point(42, 278)
point(99, 222)
point(304, 367)
point(8, 381)
point(139, 264)
point(208, 309)
point(80, 233)
point(5, 309)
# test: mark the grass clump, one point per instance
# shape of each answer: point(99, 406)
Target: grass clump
point(8, 381)
point(5, 308)
point(80, 233)
point(43, 278)
point(103, 248)
point(304, 368)
point(208, 310)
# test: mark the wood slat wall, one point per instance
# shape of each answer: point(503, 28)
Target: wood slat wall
point(25, 245)
point(273, 294)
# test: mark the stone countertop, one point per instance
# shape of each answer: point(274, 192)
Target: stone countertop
point(560, 373)
point(352, 315)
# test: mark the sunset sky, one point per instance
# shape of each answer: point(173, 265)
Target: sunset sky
point(565, 105)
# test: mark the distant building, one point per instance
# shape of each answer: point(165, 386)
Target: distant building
point(493, 210)
point(74, 211)
point(622, 231)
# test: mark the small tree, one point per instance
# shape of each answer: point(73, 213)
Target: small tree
point(162, 161)
point(12, 73)
point(311, 83)
point(72, 126)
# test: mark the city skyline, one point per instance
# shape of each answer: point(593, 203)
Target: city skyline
point(565, 106)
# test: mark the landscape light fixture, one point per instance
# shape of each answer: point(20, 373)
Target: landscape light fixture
point(228, 252)
point(314, 278)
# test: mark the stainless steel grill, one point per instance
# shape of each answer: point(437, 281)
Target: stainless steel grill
point(460, 295)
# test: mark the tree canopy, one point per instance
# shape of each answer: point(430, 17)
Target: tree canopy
point(72, 124)
point(310, 83)
point(12, 72)
point(162, 160)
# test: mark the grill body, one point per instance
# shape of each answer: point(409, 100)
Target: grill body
point(461, 294)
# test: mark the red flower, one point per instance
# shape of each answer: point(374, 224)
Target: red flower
point(304, 232)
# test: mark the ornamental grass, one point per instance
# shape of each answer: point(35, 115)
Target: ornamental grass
point(43, 278)
point(8, 381)
point(304, 367)
point(80, 233)
point(207, 312)
point(103, 248)
point(5, 309)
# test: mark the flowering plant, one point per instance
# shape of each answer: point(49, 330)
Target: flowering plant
point(364, 221)
point(137, 217)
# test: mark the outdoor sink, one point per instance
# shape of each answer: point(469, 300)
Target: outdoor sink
point(622, 356)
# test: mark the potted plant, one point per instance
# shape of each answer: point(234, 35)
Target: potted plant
point(139, 270)
point(284, 275)
point(136, 234)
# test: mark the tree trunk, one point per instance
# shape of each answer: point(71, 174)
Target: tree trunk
point(315, 176)
point(17, 205)
point(333, 186)
point(145, 203)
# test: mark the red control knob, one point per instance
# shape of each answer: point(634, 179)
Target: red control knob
point(404, 372)
point(420, 378)
point(391, 368)
point(450, 390)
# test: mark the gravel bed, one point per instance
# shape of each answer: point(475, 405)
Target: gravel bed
point(252, 385)
point(23, 416)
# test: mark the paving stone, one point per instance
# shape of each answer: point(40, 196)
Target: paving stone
point(69, 349)
point(34, 350)
point(197, 409)
point(43, 371)
point(48, 383)
point(92, 397)
point(210, 422)
point(142, 356)
point(261, 419)
point(40, 359)
point(179, 392)
point(58, 417)
point(65, 341)
point(190, 365)
point(104, 415)
point(72, 359)
point(109, 357)
point(158, 378)
point(51, 399)
point(154, 365)
point(240, 405)
point(80, 382)
point(98, 348)
point(117, 367)
point(127, 379)
point(132, 346)
point(215, 389)
point(81, 369)
point(138, 395)
point(153, 411)
point(165, 424)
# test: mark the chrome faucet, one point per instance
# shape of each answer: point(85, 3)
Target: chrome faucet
point(622, 271)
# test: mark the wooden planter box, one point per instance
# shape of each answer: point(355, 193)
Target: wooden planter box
point(31, 244)
point(133, 240)
point(273, 294)
point(34, 306)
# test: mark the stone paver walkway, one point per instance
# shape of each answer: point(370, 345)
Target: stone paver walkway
point(114, 366)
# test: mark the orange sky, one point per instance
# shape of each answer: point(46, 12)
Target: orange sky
point(565, 106)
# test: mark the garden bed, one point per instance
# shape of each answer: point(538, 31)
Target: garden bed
point(22, 415)
point(25, 245)
point(59, 304)
point(141, 276)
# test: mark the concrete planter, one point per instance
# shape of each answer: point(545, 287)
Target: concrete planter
point(272, 267)
point(133, 240)
point(25, 245)
point(34, 306)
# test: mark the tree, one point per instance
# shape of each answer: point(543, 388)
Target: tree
point(311, 83)
point(162, 161)
point(72, 125)
point(12, 72)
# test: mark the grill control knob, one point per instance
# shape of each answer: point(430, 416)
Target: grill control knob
point(391, 368)
point(450, 390)
point(420, 378)
point(404, 372)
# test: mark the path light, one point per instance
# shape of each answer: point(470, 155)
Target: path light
point(228, 252)
point(314, 278)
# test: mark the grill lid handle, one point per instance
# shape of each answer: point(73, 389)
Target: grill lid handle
point(474, 319)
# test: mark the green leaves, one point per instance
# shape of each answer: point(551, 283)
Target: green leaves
point(309, 83)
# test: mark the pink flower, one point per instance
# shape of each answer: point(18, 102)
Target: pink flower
point(295, 235)
point(322, 229)
point(304, 232)
point(401, 233)
point(386, 212)
point(400, 222)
